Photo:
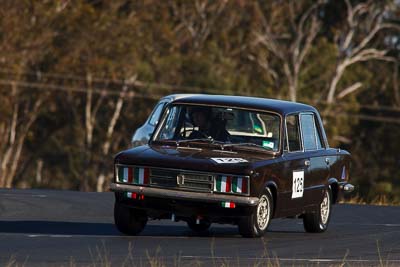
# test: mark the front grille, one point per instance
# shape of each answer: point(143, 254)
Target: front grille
point(158, 181)
point(187, 184)
point(164, 173)
point(183, 180)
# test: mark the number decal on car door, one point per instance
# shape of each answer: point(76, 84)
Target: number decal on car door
point(298, 184)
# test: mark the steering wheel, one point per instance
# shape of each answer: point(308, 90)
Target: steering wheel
point(202, 135)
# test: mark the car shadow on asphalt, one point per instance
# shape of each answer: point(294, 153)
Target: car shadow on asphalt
point(100, 229)
point(57, 228)
point(109, 229)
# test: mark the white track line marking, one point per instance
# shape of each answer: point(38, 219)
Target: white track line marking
point(94, 236)
point(372, 224)
point(365, 224)
point(23, 195)
point(33, 236)
point(291, 259)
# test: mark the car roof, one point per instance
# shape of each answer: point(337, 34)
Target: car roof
point(173, 97)
point(279, 106)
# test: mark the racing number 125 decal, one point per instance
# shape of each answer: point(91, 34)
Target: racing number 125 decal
point(298, 184)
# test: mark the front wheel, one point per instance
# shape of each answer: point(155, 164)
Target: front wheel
point(257, 223)
point(129, 221)
point(317, 221)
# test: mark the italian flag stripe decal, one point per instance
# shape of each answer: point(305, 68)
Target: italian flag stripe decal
point(141, 176)
point(239, 188)
point(223, 184)
point(245, 182)
point(120, 174)
point(227, 184)
point(133, 175)
point(146, 176)
point(229, 205)
point(130, 175)
point(130, 195)
point(136, 175)
point(239, 185)
point(126, 174)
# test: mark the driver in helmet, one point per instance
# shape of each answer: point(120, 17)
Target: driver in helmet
point(207, 125)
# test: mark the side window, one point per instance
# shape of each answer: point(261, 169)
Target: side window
point(318, 134)
point(155, 116)
point(293, 133)
point(312, 140)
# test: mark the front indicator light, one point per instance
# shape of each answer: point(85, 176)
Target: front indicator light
point(229, 205)
point(132, 195)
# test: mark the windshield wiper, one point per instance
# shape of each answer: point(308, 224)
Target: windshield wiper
point(208, 140)
point(245, 144)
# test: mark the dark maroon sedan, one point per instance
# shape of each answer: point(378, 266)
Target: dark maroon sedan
point(229, 159)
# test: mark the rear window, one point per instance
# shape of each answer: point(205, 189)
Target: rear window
point(312, 140)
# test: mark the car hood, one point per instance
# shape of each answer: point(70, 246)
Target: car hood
point(196, 159)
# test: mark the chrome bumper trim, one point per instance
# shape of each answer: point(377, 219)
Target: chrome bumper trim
point(348, 188)
point(183, 195)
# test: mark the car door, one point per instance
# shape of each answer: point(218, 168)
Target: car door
point(317, 170)
point(295, 164)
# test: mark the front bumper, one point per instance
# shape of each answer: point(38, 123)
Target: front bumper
point(184, 195)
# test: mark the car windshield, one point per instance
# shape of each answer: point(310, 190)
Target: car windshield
point(224, 126)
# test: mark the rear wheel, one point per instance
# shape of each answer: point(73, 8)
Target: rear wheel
point(129, 221)
point(317, 221)
point(256, 224)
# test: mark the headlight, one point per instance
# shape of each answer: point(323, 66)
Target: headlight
point(133, 175)
point(231, 184)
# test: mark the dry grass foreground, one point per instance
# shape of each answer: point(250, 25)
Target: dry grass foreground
point(101, 258)
point(380, 200)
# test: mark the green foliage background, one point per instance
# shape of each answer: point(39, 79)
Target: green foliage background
point(175, 47)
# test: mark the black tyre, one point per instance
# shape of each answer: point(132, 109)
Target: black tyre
point(317, 221)
point(257, 223)
point(129, 221)
point(202, 227)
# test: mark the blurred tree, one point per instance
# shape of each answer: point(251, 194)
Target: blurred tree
point(287, 31)
point(24, 38)
point(77, 77)
point(356, 41)
point(96, 40)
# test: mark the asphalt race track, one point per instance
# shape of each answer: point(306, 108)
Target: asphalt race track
point(53, 228)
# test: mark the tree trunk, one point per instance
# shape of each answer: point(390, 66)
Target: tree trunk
point(10, 159)
point(100, 182)
point(107, 143)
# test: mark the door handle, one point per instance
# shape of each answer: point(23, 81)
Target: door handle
point(307, 163)
point(327, 161)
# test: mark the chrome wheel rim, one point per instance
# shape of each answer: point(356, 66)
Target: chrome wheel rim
point(325, 208)
point(263, 210)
